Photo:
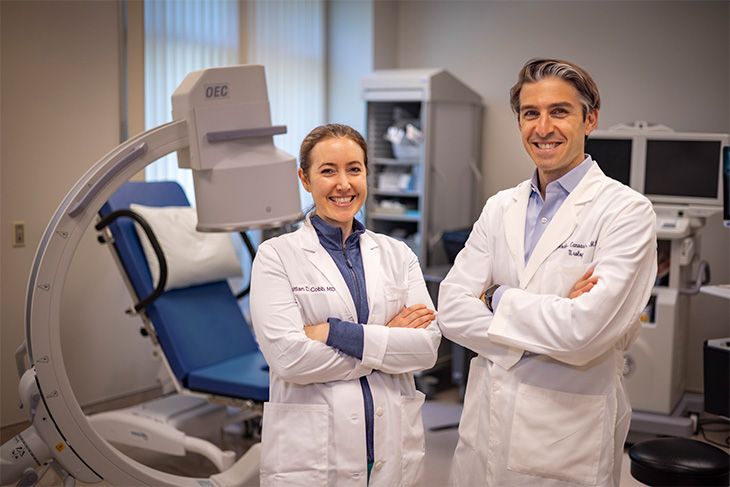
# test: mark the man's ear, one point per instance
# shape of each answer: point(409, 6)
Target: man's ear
point(591, 121)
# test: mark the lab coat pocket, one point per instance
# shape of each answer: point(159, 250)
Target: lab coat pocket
point(395, 299)
point(412, 439)
point(560, 279)
point(294, 445)
point(557, 434)
point(469, 422)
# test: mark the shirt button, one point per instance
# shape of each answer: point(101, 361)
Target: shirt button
point(527, 354)
point(543, 220)
point(378, 465)
point(379, 411)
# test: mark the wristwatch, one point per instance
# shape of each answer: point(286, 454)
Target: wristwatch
point(488, 294)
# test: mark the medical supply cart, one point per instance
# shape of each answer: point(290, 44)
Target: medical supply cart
point(425, 177)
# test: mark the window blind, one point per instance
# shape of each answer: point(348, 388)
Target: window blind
point(183, 36)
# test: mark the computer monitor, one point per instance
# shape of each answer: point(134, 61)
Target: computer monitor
point(613, 156)
point(668, 167)
point(683, 170)
point(726, 186)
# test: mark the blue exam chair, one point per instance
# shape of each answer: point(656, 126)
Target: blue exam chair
point(206, 340)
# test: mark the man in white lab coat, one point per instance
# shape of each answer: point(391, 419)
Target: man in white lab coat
point(548, 291)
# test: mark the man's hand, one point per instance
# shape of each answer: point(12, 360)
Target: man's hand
point(415, 316)
point(584, 285)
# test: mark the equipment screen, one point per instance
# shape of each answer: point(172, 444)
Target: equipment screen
point(613, 157)
point(726, 186)
point(682, 168)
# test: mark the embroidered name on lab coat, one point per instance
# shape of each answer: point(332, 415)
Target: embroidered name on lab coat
point(312, 289)
point(576, 249)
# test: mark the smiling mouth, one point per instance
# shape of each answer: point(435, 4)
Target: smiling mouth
point(342, 200)
point(545, 145)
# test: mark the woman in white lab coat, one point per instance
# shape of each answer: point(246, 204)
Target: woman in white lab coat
point(343, 318)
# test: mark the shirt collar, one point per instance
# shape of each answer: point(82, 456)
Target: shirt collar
point(331, 237)
point(569, 181)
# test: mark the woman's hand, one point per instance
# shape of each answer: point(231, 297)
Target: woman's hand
point(415, 316)
point(584, 285)
point(318, 332)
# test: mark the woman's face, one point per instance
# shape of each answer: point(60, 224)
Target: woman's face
point(337, 179)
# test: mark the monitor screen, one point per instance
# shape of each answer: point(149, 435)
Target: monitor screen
point(613, 156)
point(726, 186)
point(682, 168)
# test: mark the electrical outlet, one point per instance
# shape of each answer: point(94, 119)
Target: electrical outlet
point(18, 234)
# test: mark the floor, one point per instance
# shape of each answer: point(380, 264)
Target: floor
point(440, 415)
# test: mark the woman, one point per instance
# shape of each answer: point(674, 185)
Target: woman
point(343, 318)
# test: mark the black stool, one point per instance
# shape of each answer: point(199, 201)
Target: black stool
point(679, 461)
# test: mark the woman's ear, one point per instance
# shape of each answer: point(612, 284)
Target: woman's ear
point(303, 178)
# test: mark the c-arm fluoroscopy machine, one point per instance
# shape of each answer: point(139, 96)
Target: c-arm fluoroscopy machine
point(223, 132)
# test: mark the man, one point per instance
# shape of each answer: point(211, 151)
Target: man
point(548, 292)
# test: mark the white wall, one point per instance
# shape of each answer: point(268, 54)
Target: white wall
point(664, 62)
point(59, 91)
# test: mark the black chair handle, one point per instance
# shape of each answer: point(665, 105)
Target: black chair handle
point(251, 251)
point(111, 217)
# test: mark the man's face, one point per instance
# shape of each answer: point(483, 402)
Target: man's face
point(553, 127)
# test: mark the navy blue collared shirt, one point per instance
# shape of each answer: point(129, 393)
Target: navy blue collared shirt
point(346, 336)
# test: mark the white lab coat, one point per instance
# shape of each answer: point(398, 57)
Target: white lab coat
point(545, 402)
point(314, 425)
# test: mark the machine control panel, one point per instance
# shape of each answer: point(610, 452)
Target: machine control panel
point(671, 228)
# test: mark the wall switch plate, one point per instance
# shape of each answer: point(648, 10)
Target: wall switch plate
point(18, 234)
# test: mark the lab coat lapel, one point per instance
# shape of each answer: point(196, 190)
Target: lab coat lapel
point(323, 262)
point(564, 222)
point(514, 227)
point(370, 251)
point(558, 230)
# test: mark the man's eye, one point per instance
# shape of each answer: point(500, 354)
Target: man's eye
point(529, 114)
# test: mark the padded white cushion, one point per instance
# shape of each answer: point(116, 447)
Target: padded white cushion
point(192, 257)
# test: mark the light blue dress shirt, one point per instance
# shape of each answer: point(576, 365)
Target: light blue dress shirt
point(541, 212)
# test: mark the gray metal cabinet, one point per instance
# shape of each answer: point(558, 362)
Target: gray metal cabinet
point(418, 191)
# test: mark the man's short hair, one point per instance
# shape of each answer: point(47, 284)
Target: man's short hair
point(539, 69)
